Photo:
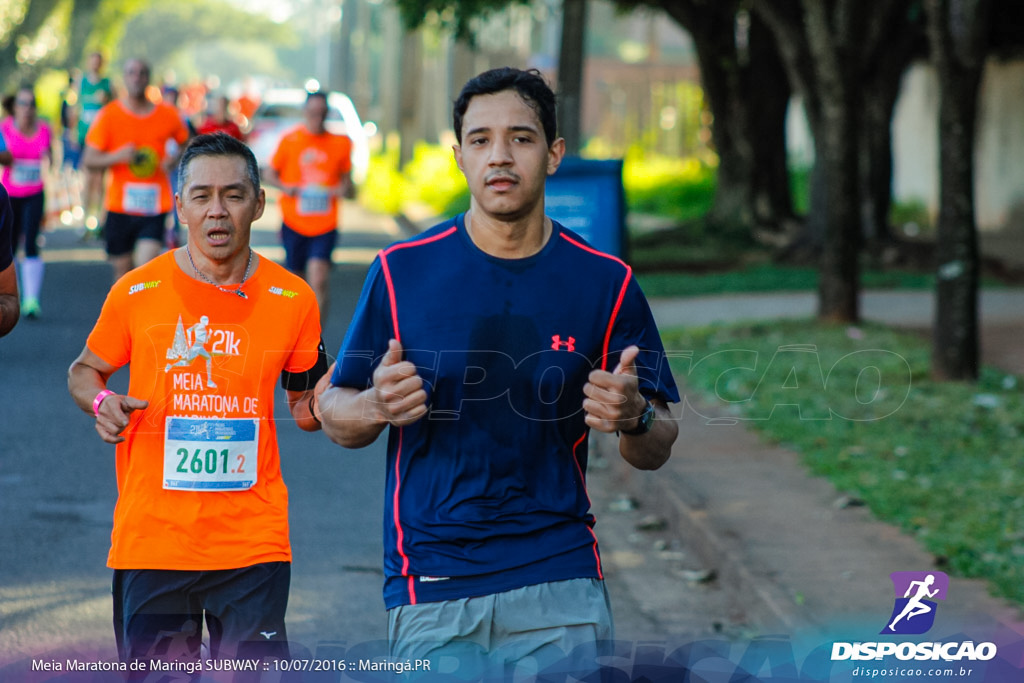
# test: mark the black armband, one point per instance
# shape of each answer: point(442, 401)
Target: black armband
point(305, 381)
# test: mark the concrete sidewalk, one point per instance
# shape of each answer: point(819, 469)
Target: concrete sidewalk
point(797, 559)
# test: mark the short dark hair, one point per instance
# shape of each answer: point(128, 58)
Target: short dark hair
point(218, 145)
point(529, 85)
point(317, 93)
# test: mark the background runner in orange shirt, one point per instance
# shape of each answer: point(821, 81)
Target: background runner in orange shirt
point(201, 522)
point(130, 137)
point(312, 167)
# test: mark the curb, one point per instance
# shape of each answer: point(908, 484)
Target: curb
point(761, 602)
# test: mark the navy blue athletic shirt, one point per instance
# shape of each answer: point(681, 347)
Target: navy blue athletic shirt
point(486, 493)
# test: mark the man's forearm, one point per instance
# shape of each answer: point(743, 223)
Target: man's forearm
point(651, 450)
point(349, 417)
point(10, 311)
point(84, 383)
point(95, 160)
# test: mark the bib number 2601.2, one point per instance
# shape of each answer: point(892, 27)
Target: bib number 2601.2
point(212, 454)
point(210, 462)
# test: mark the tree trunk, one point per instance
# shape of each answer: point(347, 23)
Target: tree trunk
point(82, 15)
point(769, 94)
point(747, 92)
point(876, 166)
point(839, 278)
point(570, 73)
point(958, 32)
point(409, 78)
point(902, 38)
point(828, 48)
point(344, 58)
point(714, 40)
point(832, 34)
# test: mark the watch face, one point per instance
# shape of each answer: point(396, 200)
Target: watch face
point(645, 423)
point(647, 419)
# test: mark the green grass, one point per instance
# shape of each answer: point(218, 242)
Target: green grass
point(943, 461)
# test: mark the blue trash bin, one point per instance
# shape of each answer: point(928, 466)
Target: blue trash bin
point(586, 196)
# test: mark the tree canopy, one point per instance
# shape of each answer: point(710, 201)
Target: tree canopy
point(147, 28)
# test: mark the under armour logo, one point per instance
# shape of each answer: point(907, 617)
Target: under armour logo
point(557, 344)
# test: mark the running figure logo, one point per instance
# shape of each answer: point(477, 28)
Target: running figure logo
point(183, 352)
point(914, 613)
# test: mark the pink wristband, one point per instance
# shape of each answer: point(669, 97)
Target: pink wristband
point(99, 399)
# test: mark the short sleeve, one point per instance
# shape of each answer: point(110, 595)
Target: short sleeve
point(368, 334)
point(635, 326)
point(307, 343)
point(277, 161)
point(98, 135)
point(110, 338)
point(345, 162)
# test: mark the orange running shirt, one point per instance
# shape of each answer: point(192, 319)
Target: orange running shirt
point(142, 187)
point(315, 162)
point(198, 475)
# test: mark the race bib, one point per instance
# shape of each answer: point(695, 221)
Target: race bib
point(314, 201)
point(25, 172)
point(210, 454)
point(141, 198)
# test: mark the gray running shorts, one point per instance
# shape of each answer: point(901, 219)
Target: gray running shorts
point(559, 628)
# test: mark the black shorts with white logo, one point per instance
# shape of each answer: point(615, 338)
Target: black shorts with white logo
point(159, 614)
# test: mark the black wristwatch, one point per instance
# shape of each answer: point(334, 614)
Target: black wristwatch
point(645, 423)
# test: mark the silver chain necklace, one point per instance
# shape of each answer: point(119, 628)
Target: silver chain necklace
point(238, 288)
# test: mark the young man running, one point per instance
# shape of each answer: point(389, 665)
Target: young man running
point(488, 347)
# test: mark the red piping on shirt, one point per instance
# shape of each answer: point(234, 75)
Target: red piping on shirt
point(618, 302)
point(583, 482)
point(398, 456)
point(604, 363)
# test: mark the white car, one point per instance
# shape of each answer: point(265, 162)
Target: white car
point(280, 110)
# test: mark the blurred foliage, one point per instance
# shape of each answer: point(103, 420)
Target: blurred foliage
point(679, 188)
point(800, 188)
point(457, 15)
point(913, 212)
point(941, 460)
point(430, 179)
point(41, 35)
point(37, 36)
point(49, 88)
point(163, 29)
